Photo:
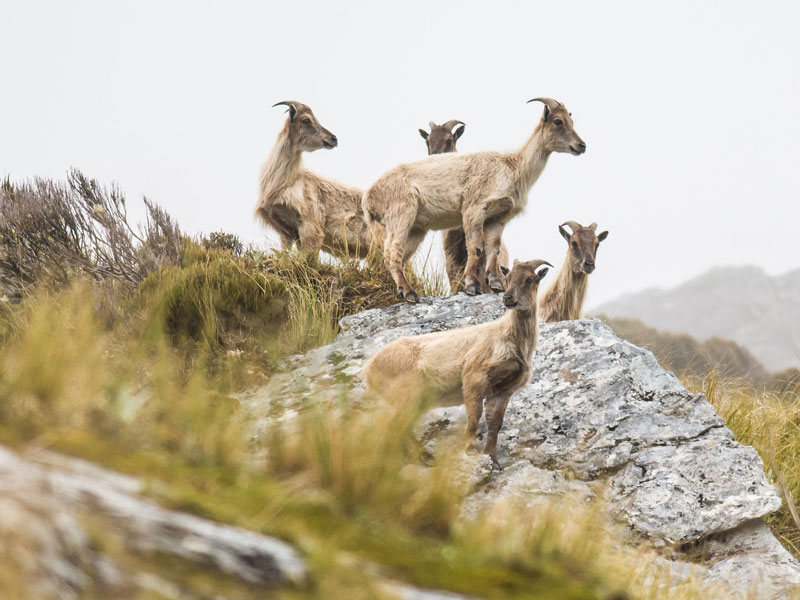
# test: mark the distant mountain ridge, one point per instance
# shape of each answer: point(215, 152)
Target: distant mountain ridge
point(743, 304)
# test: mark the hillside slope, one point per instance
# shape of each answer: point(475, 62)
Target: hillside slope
point(743, 304)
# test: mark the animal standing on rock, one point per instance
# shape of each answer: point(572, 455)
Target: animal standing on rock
point(443, 139)
point(306, 208)
point(480, 192)
point(469, 364)
point(563, 301)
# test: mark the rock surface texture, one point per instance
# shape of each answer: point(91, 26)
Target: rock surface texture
point(599, 416)
point(51, 505)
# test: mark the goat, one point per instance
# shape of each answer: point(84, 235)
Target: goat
point(303, 207)
point(480, 192)
point(442, 139)
point(468, 364)
point(564, 298)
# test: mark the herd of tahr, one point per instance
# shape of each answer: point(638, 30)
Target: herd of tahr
point(471, 197)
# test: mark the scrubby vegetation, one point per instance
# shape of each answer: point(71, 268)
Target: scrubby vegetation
point(681, 353)
point(125, 347)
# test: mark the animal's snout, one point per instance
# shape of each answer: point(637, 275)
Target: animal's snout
point(331, 141)
point(578, 147)
point(509, 301)
point(588, 265)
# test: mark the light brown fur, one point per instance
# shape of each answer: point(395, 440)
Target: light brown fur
point(480, 192)
point(469, 364)
point(563, 301)
point(442, 139)
point(304, 208)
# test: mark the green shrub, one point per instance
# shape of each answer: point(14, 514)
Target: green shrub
point(214, 299)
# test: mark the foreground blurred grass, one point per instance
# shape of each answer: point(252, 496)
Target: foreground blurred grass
point(135, 373)
point(139, 381)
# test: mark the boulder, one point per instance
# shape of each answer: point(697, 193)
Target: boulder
point(599, 415)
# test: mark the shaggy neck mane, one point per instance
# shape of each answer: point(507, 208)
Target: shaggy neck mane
point(565, 298)
point(532, 159)
point(282, 167)
point(523, 329)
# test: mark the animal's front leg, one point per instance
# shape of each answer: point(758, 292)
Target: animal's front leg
point(474, 389)
point(495, 411)
point(492, 235)
point(311, 238)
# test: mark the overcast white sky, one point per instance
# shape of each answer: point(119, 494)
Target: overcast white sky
point(690, 110)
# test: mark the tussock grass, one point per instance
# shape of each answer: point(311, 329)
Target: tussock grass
point(770, 422)
point(366, 458)
point(136, 376)
point(348, 487)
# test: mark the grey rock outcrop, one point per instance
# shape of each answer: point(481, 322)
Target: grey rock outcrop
point(47, 502)
point(599, 416)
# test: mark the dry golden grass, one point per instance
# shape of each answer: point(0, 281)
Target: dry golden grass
point(770, 422)
point(350, 487)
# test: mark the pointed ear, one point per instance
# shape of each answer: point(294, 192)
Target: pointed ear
point(546, 115)
point(541, 273)
point(516, 262)
point(602, 236)
point(424, 134)
point(563, 233)
point(459, 132)
point(504, 270)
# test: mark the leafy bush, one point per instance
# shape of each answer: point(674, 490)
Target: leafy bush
point(220, 240)
point(214, 299)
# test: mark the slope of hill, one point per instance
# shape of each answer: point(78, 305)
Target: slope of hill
point(743, 304)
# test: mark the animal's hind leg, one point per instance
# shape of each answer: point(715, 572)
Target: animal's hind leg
point(495, 412)
point(473, 230)
point(492, 235)
point(394, 251)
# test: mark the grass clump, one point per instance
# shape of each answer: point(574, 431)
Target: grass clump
point(770, 422)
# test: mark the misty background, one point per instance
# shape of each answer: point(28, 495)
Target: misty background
point(689, 111)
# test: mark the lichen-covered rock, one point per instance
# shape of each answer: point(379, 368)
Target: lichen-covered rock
point(599, 413)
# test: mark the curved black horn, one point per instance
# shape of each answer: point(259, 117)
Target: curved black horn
point(291, 105)
point(536, 263)
point(548, 102)
point(574, 225)
point(450, 124)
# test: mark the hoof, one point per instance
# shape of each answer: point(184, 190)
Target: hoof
point(496, 285)
point(472, 288)
point(496, 466)
point(411, 296)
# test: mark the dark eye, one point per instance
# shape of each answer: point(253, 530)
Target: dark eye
point(558, 122)
point(306, 121)
point(449, 143)
point(529, 280)
point(575, 244)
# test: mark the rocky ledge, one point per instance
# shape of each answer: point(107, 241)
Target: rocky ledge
point(599, 415)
